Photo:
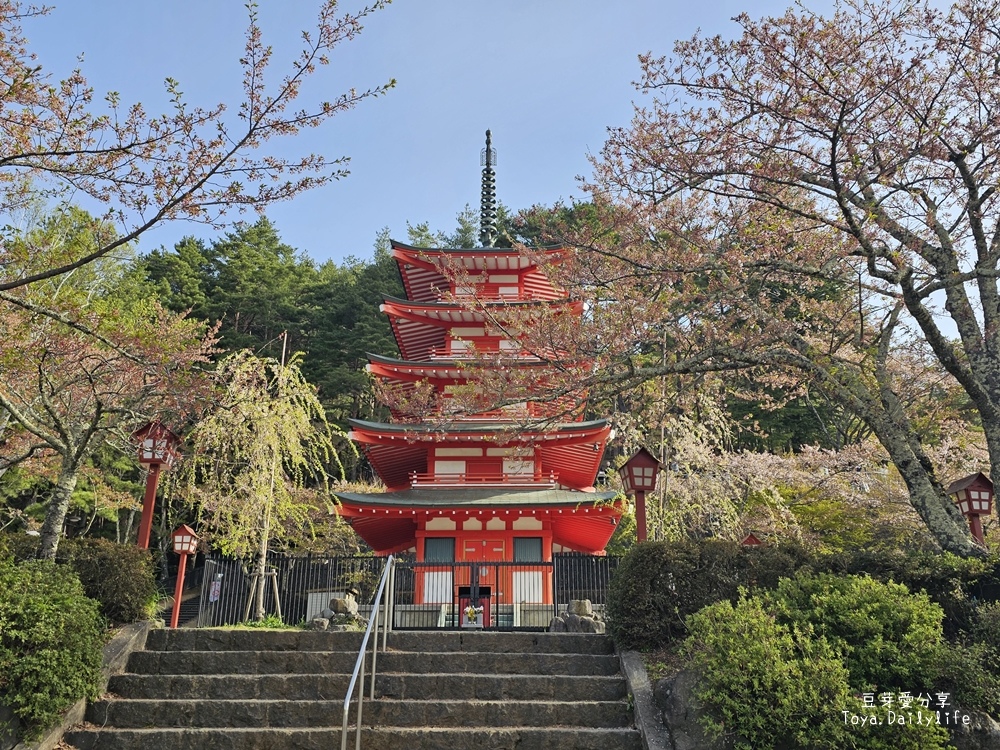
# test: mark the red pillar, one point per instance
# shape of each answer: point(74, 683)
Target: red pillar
point(148, 503)
point(640, 515)
point(178, 590)
point(976, 527)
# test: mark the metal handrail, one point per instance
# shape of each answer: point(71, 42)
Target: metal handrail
point(388, 576)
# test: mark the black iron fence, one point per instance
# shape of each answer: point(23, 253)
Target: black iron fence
point(298, 587)
point(579, 576)
point(487, 594)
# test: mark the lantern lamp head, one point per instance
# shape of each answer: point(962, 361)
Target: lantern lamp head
point(157, 445)
point(185, 541)
point(973, 494)
point(639, 472)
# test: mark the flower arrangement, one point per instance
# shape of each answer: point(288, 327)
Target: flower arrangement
point(472, 614)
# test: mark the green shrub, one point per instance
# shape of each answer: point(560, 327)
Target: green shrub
point(772, 681)
point(985, 626)
point(20, 546)
point(51, 636)
point(898, 728)
point(659, 584)
point(946, 578)
point(651, 594)
point(970, 674)
point(886, 635)
point(762, 567)
point(119, 576)
point(765, 684)
point(269, 622)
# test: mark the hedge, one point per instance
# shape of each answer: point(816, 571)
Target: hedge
point(51, 640)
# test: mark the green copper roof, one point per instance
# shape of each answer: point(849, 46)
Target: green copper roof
point(443, 498)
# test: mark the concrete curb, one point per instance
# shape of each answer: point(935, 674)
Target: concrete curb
point(116, 653)
point(648, 718)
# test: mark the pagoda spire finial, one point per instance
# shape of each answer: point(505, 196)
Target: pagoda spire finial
point(488, 208)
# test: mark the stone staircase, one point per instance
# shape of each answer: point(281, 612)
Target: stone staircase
point(278, 690)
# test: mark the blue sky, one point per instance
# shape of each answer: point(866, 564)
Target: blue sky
point(546, 76)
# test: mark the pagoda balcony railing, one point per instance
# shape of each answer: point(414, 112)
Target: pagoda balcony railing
point(491, 293)
point(494, 415)
point(451, 352)
point(440, 479)
point(507, 418)
point(516, 353)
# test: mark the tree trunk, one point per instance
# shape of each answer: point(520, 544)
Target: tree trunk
point(942, 517)
point(258, 589)
point(260, 567)
point(55, 515)
point(265, 535)
point(165, 545)
point(127, 534)
point(4, 421)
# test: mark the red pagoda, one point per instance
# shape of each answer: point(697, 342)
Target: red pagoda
point(477, 487)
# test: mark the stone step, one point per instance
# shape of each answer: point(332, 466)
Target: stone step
point(211, 639)
point(342, 662)
point(380, 713)
point(372, 738)
point(271, 690)
point(502, 643)
point(521, 687)
point(496, 714)
point(187, 639)
point(390, 685)
point(136, 714)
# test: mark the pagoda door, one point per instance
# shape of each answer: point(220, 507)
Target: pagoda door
point(485, 551)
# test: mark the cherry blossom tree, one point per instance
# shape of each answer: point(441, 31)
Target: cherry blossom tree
point(190, 162)
point(88, 357)
point(813, 202)
point(70, 393)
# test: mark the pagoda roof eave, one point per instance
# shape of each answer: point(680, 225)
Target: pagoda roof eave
point(388, 521)
point(570, 450)
point(486, 429)
point(416, 500)
point(475, 251)
point(406, 304)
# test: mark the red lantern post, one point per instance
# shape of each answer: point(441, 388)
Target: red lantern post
point(974, 496)
point(157, 448)
point(185, 543)
point(639, 477)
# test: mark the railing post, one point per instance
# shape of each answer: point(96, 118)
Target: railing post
point(555, 589)
point(361, 700)
point(381, 595)
point(375, 614)
point(390, 606)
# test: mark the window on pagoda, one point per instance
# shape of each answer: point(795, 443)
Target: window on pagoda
point(528, 549)
point(439, 549)
point(527, 581)
point(438, 583)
